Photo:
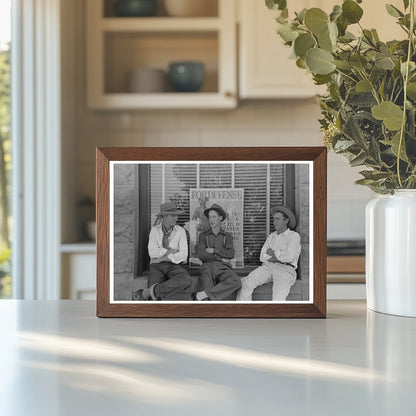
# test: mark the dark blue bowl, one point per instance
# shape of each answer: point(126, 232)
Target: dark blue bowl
point(186, 76)
point(135, 8)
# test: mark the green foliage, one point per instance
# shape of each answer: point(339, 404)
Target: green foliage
point(5, 280)
point(4, 88)
point(365, 114)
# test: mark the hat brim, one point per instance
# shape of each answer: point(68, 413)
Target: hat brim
point(288, 213)
point(177, 212)
point(218, 210)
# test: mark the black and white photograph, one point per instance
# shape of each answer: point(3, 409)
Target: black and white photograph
point(211, 231)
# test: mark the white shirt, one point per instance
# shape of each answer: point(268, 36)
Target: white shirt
point(177, 241)
point(286, 247)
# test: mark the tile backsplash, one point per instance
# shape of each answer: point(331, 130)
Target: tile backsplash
point(258, 123)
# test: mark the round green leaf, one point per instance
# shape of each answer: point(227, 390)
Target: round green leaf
point(316, 20)
point(393, 11)
point(319, 61)
point(336, 12)
point(358, 61)
point(351, 11)
point(333, 32)
point(303, 43)
point(276, 4)
point(363, 86)
point(344, 65)
point(325, 42)
point(391, 114)
point(287, 33)
point(394, 143)
point(301, 63)
point(411, 90)
point(384, 62)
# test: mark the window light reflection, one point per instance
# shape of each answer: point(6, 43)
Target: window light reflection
point(82, 348)
point(262, 361)
point(127, 384)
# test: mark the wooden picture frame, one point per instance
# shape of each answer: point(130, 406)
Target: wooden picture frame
point(305, 189)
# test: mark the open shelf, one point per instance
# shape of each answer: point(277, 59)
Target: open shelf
point(118, 45)
point(160, 24)
point(209, 9)
point(127, 51)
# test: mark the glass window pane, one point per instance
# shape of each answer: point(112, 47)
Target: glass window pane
point(5, 145)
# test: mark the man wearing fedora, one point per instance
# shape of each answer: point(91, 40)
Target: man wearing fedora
point(279, 255)
point(215, 249)
point(168, 249)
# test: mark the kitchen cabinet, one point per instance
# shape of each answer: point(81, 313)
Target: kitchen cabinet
point(265, 70)
point(118, 45)
point(78, 263)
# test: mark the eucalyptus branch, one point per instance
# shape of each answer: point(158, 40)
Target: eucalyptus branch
point(392, 91)
point(346, 75)
point(397, 95)
point(406, 79)
point(373, 88)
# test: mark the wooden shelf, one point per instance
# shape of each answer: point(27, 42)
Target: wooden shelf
point(345, 269)
point(196, 100)
point(346, 264)
point(160, 24)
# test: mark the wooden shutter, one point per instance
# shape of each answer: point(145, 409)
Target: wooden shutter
point(277, 188)
point(253, 178)
point(171, 183)
point(215, 175)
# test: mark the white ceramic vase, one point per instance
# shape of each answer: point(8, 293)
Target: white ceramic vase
point(391, 253)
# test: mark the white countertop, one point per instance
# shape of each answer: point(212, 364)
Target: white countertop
point(57, 358)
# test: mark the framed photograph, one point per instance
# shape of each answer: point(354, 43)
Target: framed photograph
point(211, 232)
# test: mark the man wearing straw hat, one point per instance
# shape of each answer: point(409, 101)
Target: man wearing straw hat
point(215, 248)
point(279, 255)
point(168, 248)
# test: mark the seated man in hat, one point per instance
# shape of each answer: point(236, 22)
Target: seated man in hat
point(279, 255)
point(215, 249)
point(168, 248)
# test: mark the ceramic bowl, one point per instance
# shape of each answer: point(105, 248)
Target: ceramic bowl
point(147, 80)
point(135, 8)
point(92, 230)
point(191, 8)
point(186, 76)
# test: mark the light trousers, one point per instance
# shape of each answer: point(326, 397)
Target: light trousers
point(282, 276)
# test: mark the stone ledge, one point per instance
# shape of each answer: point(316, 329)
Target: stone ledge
point(263, 292)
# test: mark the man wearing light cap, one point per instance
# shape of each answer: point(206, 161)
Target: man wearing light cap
point(215, 249)
point(168, 249)
point(279, 255)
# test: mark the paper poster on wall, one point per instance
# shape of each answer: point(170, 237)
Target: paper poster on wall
point(231, 200)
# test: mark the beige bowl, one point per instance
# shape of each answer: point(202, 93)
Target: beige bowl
point(92, 230)
point(147, 80)
point(191, 8)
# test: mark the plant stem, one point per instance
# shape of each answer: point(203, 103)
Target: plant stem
point(406, 79)
point(346, 75)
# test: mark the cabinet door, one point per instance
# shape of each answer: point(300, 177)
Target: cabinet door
point(266, 71)
point(78, 276)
